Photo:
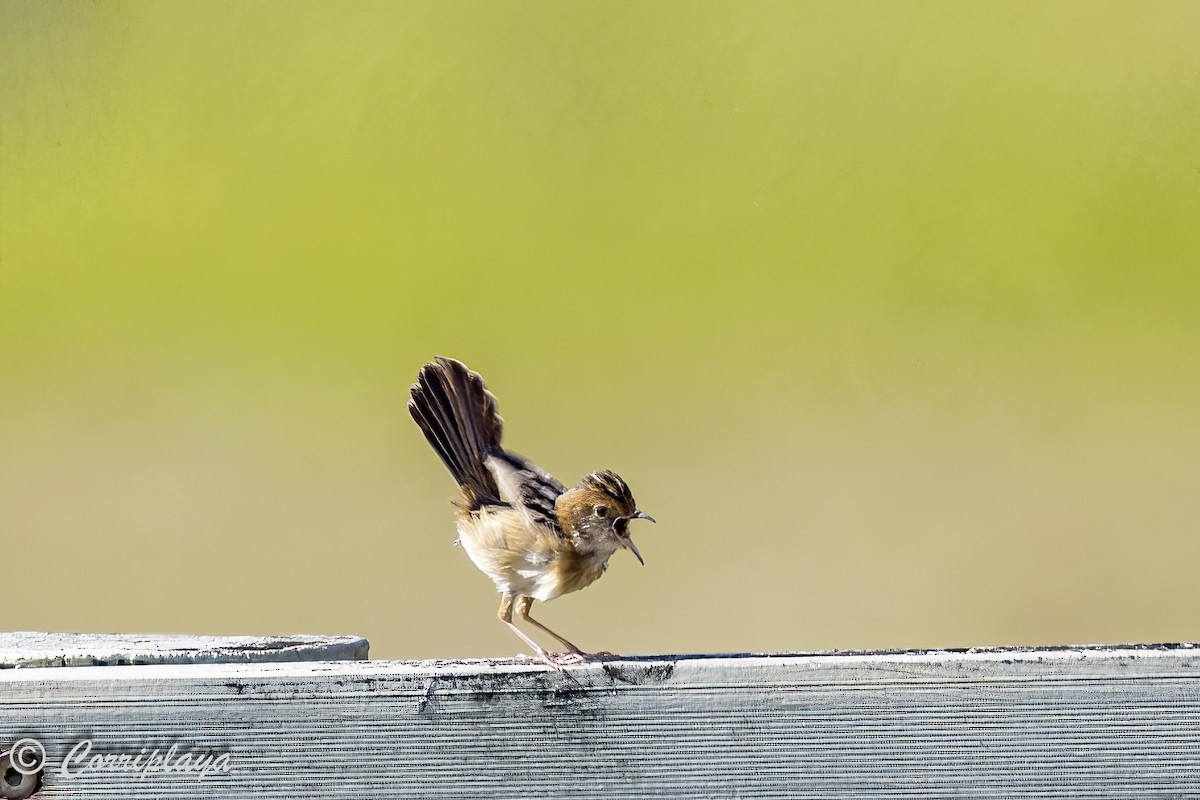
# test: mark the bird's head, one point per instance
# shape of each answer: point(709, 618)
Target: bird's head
point(596, 513)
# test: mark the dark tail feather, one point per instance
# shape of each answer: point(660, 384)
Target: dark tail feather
point(458, 416)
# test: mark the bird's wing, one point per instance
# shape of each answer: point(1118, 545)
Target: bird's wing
point(526, 487)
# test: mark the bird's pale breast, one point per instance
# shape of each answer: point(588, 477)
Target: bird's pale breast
point(524, 558)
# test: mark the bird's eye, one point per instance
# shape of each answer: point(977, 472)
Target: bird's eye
point(601, 511)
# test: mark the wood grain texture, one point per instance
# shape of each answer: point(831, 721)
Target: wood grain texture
point(1067, 722)
point(39, 649)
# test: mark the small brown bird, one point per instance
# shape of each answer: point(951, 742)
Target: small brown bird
point(535, 538)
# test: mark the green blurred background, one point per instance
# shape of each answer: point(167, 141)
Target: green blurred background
point(889, 312)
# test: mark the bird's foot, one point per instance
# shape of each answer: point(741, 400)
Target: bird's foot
point(560, 660)
point(569, 658)
point(542, 656)
point(580, 657)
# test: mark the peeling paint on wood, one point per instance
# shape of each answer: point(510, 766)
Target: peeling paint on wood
point(24, 649)
point(1095, 722)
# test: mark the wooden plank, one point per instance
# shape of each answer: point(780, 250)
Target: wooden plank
point(1061, 722)
point(39, 649)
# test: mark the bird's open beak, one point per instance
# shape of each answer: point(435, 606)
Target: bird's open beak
point(628, 542)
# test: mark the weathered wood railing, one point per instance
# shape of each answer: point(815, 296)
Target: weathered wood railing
point(1053, 722)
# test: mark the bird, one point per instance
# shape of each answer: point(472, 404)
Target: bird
point(534, 537)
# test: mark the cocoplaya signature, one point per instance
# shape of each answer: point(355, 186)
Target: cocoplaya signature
point(28, 757)
point(81, 760)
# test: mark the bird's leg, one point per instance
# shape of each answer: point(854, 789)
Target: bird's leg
point(505, 615)
point(573, 655)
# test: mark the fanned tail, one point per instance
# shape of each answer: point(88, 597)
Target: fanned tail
point(458, 416)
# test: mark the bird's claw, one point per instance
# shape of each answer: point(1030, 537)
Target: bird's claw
point(566, 659)
point(573, 657)
point(569, 658)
